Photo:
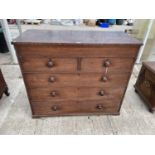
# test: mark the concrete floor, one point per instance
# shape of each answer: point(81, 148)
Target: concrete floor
point(15, 113)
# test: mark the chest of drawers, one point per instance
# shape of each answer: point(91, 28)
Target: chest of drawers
point(145, 84)
point(75, 72)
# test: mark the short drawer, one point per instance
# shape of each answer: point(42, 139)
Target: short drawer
point(75, 107)
point(77, 80)
point(84, 93)
point(42, 64)
point(112, 64)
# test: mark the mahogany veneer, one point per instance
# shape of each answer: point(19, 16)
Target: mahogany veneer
point(75, 72)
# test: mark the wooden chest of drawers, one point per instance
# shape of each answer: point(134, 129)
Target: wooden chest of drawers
point(3, 86)
point(75, 72)
point(145, 85)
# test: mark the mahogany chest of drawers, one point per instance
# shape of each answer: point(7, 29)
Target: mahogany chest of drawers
point(75, 72)
point(3, 86)
point(145, 85)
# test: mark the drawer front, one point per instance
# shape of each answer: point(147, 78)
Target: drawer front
point(75, 107)
point(85, 93)
point(52, 94)
point(40, 64)
point(77, 51)
point(112, 64)
point(77, 80)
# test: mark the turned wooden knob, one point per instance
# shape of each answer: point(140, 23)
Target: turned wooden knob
point(102, 93)
point(99, 106)
point(104, 78)
point(51, 79)
point(50, 63)
point(53, 93)
point(55, 108)
point(107, 63)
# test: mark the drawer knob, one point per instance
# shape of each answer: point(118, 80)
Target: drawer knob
point(55, 108)
point(102, 93)
point(53, 93)
point(51, 79)
point(107, 63)
point(50, 63)
point(99, 106)
point(104, 79)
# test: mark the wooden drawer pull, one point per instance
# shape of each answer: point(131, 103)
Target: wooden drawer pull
point(102, 93)
point(54, 93)
point(50, 63)
point(107, 63)
point(55, 108)
point(104, 79)
point(99, 107)
point(51, 79)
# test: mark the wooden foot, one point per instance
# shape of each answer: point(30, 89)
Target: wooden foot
point(136, 91)
point(151, 110)
point(7, 92)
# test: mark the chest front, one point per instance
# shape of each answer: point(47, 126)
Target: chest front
point(76, 79)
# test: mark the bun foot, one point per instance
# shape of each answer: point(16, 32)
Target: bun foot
point(7, 92)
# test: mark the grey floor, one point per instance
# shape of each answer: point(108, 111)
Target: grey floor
point(15, 113)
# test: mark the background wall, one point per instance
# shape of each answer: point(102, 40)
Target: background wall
point(140, 28)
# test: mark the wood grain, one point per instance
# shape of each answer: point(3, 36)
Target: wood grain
point(75, 70)
point(74, 108)
point(97, 65)
point(68, 51)
point(71, 93)
point(76, 80)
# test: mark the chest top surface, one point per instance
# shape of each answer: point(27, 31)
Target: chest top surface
point(150, 65)
point(75, 37)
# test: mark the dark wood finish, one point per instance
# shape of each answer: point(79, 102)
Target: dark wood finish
point(145, 85)
point(76, 80)
point(111, 64)
point(69, 93)
point(75, 72)
point(33, 64)
point(86, 107)
point(3, 86)
point(76, 50)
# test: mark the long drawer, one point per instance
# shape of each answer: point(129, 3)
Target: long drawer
point(75, 107)
point(71, 93)
point(76, 80)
